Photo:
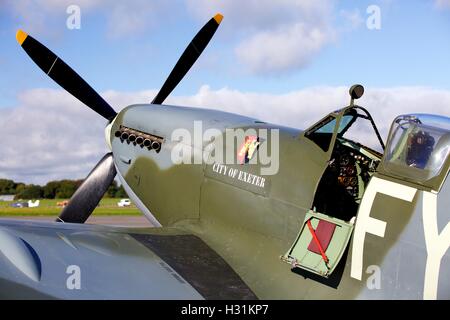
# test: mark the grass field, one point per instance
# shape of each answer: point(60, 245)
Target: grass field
point(107, 207)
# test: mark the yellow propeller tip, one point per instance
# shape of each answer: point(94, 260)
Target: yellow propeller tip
point(218, 17)
point(21, 36)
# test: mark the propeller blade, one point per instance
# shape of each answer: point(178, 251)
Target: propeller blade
point(188, 58)
point(91, 191)
point(64, 75)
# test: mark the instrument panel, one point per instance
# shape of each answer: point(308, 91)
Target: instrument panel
point(351, 165)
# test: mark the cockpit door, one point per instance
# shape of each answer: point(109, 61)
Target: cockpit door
point(323, 239)
point(320, 244)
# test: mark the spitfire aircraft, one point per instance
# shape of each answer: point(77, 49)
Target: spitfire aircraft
point(328, 217)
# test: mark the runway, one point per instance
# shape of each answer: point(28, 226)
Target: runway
point(122, 221)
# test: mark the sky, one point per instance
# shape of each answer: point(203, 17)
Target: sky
point(288, 62)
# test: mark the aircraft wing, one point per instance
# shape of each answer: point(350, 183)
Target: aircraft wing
point(78, 261)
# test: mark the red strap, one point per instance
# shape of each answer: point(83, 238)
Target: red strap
point(316, 240)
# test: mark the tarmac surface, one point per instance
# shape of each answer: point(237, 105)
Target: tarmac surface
point(122, 221)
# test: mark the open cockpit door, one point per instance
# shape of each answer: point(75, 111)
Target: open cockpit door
point(327, 228)
point(320, 244)
point(350, 164)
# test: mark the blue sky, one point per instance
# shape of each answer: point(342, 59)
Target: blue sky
point(411, 48)
point(288, 62)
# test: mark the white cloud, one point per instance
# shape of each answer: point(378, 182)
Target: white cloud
point(262, 14)
point(302, 108)
point(269, 37)
point(36, 15)
point(352, 18)
point(275, 36)
point(123, 18)
point(51, 135)
point(282, 50)
point(443, 4)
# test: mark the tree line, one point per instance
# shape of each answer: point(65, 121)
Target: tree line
point(62, 189)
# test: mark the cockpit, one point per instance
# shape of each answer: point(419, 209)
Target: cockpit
point(353, 148)
point(351, 163)
point(418, 151)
